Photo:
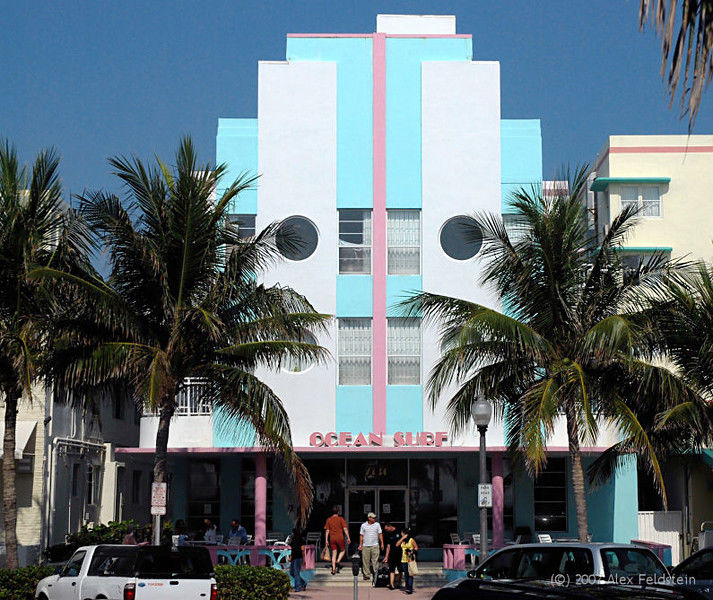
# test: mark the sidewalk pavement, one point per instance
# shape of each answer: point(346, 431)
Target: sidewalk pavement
point(365, 593)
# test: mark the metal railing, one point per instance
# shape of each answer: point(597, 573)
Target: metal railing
point(190, 400)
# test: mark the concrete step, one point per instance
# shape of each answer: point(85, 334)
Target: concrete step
point(430, 575)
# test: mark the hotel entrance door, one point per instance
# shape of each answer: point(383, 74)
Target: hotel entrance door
point(390, 503)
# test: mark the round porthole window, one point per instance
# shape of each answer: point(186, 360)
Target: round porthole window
point(461, 238)
point(296, 238)
point(293, 364)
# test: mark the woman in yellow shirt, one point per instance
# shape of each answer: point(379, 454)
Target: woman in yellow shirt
point(408, 553)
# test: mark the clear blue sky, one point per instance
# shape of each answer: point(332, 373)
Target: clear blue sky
point(96, 79)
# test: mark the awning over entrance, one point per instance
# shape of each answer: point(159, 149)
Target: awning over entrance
point(23, 434)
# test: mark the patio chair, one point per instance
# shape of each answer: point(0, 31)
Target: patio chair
point(475, 539)
point(468, 537)
point(455, 539)
point(544, 538)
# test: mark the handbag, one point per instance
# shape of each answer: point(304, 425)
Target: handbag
point(326, 555)
point(412, 568)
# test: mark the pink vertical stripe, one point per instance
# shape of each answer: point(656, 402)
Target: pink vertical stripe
point(498, 501)
point(260, 500)
point(379, 236)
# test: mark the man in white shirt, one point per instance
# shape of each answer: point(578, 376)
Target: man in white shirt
point(370, 540)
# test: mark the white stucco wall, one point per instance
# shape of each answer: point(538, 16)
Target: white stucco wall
point(461, 175)
point(297, 159)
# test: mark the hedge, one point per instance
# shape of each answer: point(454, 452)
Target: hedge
point(20, 584)
point(234, 583)
point(251, 583)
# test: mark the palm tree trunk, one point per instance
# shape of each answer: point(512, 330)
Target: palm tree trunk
point(575, 461)
point(9, 497)
point(160, 465)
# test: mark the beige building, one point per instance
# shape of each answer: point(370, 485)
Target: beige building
point(670, 179)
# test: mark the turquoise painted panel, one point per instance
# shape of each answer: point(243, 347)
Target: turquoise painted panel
point(404, 408)
point(468, 478)
point(354, 296)
point(403, 110)
point(355, 409)
point(230, 468)
point(398, 289)
point(236, 146)
point(229, 432)
point(520, 158)
point(626, 502)
point(179, 488)
point(355, 165)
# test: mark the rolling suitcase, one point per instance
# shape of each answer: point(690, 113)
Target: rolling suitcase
point(382, 577)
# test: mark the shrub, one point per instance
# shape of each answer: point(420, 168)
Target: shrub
point(251, 583)
point(114, 532)
point(20, 584)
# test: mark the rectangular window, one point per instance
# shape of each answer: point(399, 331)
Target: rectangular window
point(118, 407)
point(633, 262)
point(244, 223)
point(135, 487)
point(403, 238)
point(75, 479)
point(354, 241)
point(646, 199)
point(516, 227)
point(551, 496)
point(93, 482)
point(403, 346)
point(354, 350)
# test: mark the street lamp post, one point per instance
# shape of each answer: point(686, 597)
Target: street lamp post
point(482, 411)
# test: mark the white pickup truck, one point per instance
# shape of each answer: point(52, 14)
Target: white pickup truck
point(132, 573)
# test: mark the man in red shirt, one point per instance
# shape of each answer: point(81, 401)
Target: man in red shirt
point(337, 533)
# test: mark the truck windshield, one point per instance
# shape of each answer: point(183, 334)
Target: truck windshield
point(184, 563)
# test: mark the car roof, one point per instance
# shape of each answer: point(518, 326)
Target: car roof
point(590, 545)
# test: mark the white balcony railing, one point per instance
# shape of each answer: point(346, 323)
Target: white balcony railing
point(190, 400)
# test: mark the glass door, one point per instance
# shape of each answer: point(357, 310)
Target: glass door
point(393, 504)
point(361, 501)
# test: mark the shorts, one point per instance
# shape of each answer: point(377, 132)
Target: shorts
point(336, 544)
point(394, 561)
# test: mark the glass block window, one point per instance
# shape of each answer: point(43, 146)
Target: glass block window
point(516, 227)
point(354, 350)
point(355, 241)
point(403, 347)
point(403, 238)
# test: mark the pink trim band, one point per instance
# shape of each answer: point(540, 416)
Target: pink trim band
point(379, 235)
point(351, 450)
point(465, 36)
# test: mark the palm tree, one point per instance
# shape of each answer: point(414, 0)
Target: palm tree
point(36, 229)
point(183, 301)
point(691, 55)
point(574, 344)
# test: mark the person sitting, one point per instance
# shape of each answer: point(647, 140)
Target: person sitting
point(237, 532)
point(211, 532)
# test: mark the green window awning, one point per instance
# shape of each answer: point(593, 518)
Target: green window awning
point(602, 183)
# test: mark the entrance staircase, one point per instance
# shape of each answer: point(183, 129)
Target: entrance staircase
point(430, 574)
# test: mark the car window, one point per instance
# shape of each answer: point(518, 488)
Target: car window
point(113, 562)
point(623, 563)
point(499, 566)
point(74, 565)
point(699, 566)
point(188, 563)
point(543, 563)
